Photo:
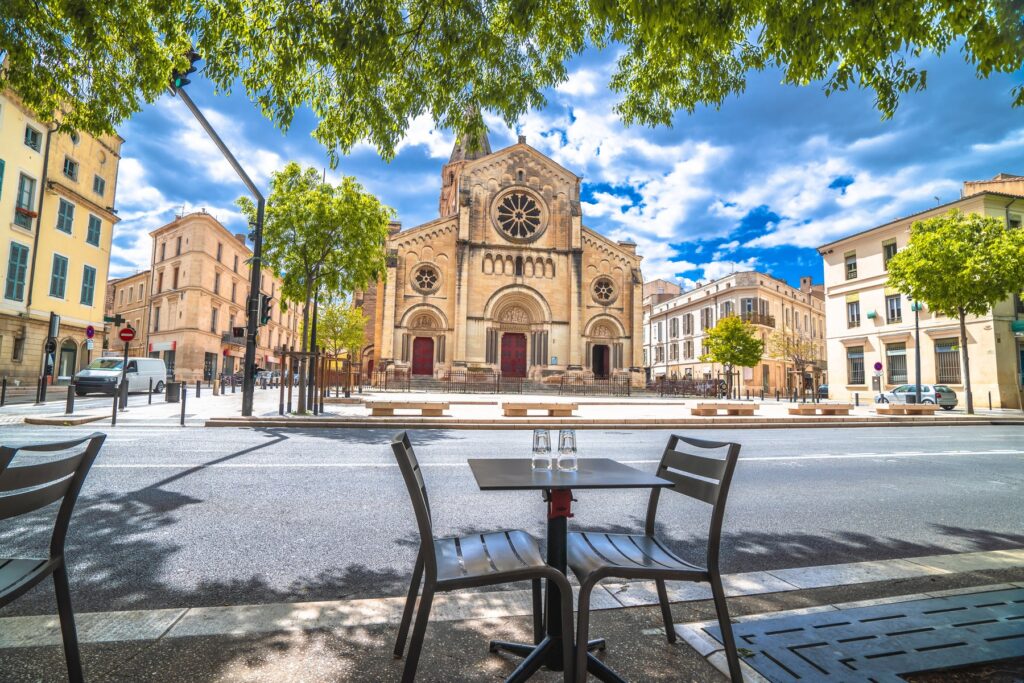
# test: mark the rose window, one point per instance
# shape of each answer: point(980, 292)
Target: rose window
point(604, 290)
point(426, 278)
point(519, 215)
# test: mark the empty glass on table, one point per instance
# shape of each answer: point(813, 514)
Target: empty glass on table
point(541, 450)
point(567, 450)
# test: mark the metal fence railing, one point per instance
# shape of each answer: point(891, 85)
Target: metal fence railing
point(391, 379)
point(583, 385)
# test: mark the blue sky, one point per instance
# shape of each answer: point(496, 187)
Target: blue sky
point(756, 184)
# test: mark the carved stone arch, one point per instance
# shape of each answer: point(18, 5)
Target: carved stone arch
point(522, 297)
point(415, 317)
point(528, 270)
point(550, 270)
point(604, 326)
point(488, 264)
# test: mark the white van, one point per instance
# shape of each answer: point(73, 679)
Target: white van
point(104, 375)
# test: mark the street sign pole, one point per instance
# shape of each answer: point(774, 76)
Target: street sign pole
point(126, 335)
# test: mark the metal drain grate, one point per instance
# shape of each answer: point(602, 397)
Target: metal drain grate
point(877, 643)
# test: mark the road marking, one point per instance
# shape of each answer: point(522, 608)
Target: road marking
point(347, 465)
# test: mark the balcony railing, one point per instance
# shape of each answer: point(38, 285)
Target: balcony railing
point(229, 338)
point(758, 318)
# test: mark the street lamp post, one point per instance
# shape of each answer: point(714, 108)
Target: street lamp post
point(253, 302)
point(917, 350)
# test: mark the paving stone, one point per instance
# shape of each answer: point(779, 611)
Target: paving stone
point(855, 572)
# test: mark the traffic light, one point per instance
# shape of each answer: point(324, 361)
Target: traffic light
point(265, 304)
point(179, 79)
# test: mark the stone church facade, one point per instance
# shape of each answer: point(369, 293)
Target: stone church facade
point(507, 280)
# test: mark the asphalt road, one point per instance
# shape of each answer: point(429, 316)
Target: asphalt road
point(186, 517)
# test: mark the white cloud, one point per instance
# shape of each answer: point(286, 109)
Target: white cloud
point(716, 269)
point(1014, 139)
point(582, 82)
point(421, 132)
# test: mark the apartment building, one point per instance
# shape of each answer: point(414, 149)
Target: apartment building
point(872, 325)
point(127, 297)
point(198, 283)
point(674, 329)
point(56, 220)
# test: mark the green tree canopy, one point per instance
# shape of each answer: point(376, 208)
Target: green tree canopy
point(366, 67)
point(339, 328)
point(960, 265)
point(733, 343)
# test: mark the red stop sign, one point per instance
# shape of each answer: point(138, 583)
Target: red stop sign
point(127, 334)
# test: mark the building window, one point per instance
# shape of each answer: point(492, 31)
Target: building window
point(726, 309)
point(160, 281)
point(646, 361)
point(896, 363)
point(129, 295)
point(947, 361)
point(893, 309)
point(234, 289)
point(17, 265)
point(519, 216)
point(688, 349)
point(1018, 304)
point(213, 320)
point(174, 279)
point(888, 251)
point(688, 323)
point(141, 291)
point(851, 265)
point(673, 328)
point(707, 316)
point(220, 250)
point(673, 351)
point(163, 250)
point(426, 279)
point(18, 350)
point(71, 168)
point(177, 246)
point(1013, 222)
point(234, 266)
point(216, 285)
point(156, 318)
point(99, 185)
point(59, 276)
point(92, 236)
point(65, 216)
point(33, 138)
point(88, 285)
point(23, 213)
point(604, 290)
point(855, 365)
point(658, 330)
point(659, 354)
point(853, 314)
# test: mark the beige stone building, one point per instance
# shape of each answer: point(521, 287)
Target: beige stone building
point(674, 329)
point(507, 279)
point(869, 323)
point(128, 297)
point(197, 287)
point(57, 199)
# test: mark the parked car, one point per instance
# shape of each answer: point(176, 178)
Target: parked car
point(939, 394)
point(822, 391)
point(103, 376)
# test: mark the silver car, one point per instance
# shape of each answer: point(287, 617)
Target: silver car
point(930, 393)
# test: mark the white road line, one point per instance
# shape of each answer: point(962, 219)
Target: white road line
point(348, 465)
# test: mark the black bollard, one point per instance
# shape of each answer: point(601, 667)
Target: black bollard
point(184, 395)
point(150, 393)
point(69, 407)
point(199, 383)
point(232, 384)
point(3, 392)
point(856, 399)
point(776, 394)
point(113, 416)
point(124, 394)
point(990, 400)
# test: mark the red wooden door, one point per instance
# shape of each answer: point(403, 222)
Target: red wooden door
point(599, 361)
point(513, 355)
point(423, 356)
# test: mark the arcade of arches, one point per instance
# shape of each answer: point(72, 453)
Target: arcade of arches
point(507, 279)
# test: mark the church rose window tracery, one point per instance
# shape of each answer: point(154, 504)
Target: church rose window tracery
point(603, 290)
point(519, 216)
point(425, 279)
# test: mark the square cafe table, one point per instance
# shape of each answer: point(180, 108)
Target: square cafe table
point(517, 474)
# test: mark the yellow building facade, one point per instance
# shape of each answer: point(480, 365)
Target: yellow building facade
point(57, 212)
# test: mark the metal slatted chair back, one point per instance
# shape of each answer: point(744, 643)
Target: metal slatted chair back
point(26, 488)
point(687, 463)
point(413, 476)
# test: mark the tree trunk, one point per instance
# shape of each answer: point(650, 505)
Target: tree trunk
point(305, 346)
point(967, 363)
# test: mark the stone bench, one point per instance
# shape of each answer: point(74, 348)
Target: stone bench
point(553, 409)
point(905, 408)
point(820, 409)
point(388, 408)
point(712, 408)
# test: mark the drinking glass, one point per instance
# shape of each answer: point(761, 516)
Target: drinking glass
point(541, 450)
point(567, 450)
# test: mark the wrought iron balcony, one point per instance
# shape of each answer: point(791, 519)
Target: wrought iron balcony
point(758, 318)
point(229, 338)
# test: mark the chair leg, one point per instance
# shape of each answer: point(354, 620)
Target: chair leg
point(67, 624)
point(538, 612)
point(410, 604)
point(722, 610)
point(666, 611)
point(418, 632)
point(582, 632)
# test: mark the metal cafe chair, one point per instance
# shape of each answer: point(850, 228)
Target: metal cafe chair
point(594, 556)
point(448, 564)
point(26, 488)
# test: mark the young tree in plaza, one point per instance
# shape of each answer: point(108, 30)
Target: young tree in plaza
point(367, 67)
point(800, 351)
point(958, 265)
point(340, 327)
point(321, 238)
point(733, 343)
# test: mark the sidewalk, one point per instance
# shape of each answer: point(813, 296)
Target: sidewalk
point(352, 640)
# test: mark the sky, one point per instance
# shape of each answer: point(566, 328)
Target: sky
point(755, 185)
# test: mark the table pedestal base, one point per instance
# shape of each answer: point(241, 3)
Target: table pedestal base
point(548, 654)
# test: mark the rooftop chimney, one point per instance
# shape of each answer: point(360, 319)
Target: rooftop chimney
point(240, 236)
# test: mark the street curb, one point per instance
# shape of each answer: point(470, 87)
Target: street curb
point(585, 423)
point(63, 420)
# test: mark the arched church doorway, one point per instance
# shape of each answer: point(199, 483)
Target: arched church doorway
point(600, 360)
point(513, 354)
point(423, 356)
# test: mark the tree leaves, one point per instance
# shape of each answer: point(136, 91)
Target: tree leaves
point(367, 67)
point(734, 343)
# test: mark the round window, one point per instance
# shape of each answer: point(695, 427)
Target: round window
point(519, 216)
point(603, 290)
point(425, 279)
